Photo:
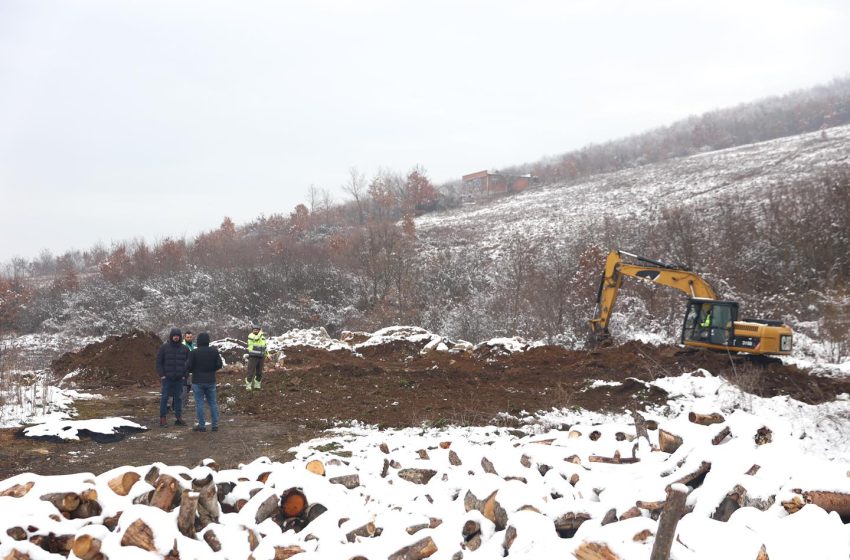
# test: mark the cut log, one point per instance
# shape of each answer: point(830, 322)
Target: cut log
point(594, 551)
point(316, 467)
point(367, 531)
point(630, 513)
point(651, 507)
point(16, 554)
point(417, 476)
point(417, 551)
point(454, 459)
point(615, 460)
point(264, 477)
point(122, 483)
point(212, 540)
point(86, 547)
point(610, 517)
point(489, 508)
point(706, 419)
point(208, 506)
point(166, 491)
point(763, 435)
point(510, 537)
point(595, 435)
point(87, 508)
point(640, 425)
point(386, 468)
point(721, 435)
point(762, 554)
point(668, 442)
point(525, 461)
point(313, 511)
point(423, 454)
point(488, 467)
point(112, 522)
point(284, 552)
point(674, 508)
point(445, 444)
point(18, 490)
point(293, 502)
point(567, 524)
point(695, 477)
point(267, 509)
point(152, 476)
point(53, 543)
point(17, 533)
point(186, 515)
point(385, 449)
point(253, 538)
point(140, 535)
point(64, 501)
point(470, 529)
point(830, 501)
point(350, 481)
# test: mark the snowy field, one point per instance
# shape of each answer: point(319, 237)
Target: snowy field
point(567, 483)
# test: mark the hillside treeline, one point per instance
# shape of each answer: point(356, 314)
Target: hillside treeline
point(799, 112)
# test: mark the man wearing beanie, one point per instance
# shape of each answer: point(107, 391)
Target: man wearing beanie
point(202, 363)
point(171, 367)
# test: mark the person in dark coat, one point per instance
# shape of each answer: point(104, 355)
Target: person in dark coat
point(171, 367)
point(202, 363)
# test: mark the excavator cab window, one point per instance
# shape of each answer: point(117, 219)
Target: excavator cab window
point(709, 321)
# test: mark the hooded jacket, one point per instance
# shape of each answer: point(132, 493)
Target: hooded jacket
point(171, 358)
point(204, 361)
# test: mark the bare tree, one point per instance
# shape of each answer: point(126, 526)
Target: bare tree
point(356, 187)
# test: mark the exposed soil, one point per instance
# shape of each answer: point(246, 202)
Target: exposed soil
point(392, 386)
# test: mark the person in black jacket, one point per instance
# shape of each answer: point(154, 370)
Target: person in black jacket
point(202, 363)
point(171, 367)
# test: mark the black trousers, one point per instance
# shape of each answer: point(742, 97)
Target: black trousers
point(255, 367)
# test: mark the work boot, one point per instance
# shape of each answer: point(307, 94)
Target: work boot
point(256, 384)
point(200, 429)
point(179, 422)
point(163, 423)
point(248, 384)
point(215, 428)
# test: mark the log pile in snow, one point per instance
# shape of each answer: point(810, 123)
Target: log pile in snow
point(609, 491)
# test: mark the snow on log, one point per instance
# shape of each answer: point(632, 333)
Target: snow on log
point(721, 435)
point(417, 551)
point(166, 491)
point(489, 508)
point(567, 524)
point(284, 552)
point(65, 502)
point(208, 507)
point(369, 530)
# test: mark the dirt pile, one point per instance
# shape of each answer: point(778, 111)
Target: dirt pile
point(119, 361)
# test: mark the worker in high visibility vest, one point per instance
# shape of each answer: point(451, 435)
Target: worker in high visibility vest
point(257, 354)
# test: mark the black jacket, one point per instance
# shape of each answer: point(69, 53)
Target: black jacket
point(171, 358)
point(204, 361)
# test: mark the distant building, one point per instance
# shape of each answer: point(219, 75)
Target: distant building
point(490, 183)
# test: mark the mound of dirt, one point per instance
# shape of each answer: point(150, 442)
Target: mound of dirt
point(119, 361)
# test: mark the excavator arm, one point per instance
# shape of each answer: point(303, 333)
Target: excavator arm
point(645, 269)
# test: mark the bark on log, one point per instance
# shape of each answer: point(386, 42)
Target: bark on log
point(762, 554)
point(673, 510)
point(140, 535)
point(86, 509)
point(567, 524)
point(385, 449)
point(525, 461)
point(53, 543)
point(18, 490)
point(454, 459)
point(615, 460)
point(489, 508)
point(595, 435)
point(423, 454)
point(186, 515)
point(417, 551)
point(706, 419)
point(830, 501)
point(313, 511)
point(630, 513)
point(721, 435)
point(640, 425)
point(264, 477)
point(610, 517)
point(668, 442)
point(469, 530)
point(86, 547)
point(293, 502)
point(17, 533)
point(16, 554)
point(594, 551)
point(316, 467)
point(510, 537)
point(445, 444)
point(350, 481)
point(368, 531)
point(208, 506)
point(267, 509)
point(212, 540)
point(417, 476)
point(122, 483)
point(166, 490)
point(152, 476)
point(763, 435)
point(488, 467)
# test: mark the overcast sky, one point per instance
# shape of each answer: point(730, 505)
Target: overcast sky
point(155, 118)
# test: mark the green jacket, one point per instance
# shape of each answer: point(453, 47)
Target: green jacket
point(189, 345)
point(257, 345)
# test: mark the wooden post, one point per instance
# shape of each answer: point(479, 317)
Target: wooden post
point(673, 510)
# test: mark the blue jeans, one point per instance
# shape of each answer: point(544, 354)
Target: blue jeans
point(205, 391)
point(171, 387)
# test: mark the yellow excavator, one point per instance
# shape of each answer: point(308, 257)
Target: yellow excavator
point(709, 321)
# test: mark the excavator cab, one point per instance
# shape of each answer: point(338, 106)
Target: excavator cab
point(709, 322)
